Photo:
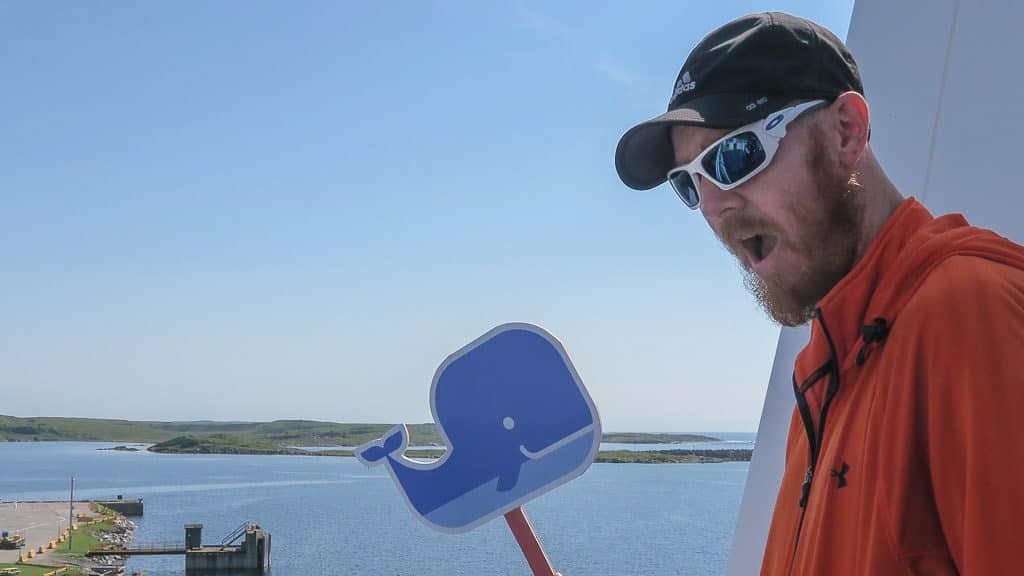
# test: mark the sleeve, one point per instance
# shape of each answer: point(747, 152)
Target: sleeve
point(971, 358)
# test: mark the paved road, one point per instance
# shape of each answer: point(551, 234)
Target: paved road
point(38, 522)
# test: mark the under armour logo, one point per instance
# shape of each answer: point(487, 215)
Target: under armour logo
point(841, 474)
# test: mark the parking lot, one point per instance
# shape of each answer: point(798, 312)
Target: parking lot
point(38, 522)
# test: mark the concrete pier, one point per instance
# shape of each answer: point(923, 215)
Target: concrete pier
point(124, 507)
point(251, 557)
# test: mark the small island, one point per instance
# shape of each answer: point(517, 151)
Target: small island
point(220, 443)
point(672, 456)
point(645, 438)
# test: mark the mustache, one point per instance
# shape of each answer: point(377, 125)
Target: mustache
point(732, 227)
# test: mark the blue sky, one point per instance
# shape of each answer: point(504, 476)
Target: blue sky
point(257, 210)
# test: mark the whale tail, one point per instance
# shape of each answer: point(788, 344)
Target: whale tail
point(376, 451)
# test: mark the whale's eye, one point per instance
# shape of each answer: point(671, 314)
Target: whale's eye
point(508, 423)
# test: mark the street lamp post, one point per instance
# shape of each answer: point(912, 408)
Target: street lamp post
point(71, 512)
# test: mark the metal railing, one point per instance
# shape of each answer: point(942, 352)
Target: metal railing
point(140, 548)
point(235, 534)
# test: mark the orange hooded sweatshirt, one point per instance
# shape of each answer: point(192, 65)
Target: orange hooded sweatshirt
point(906, 450)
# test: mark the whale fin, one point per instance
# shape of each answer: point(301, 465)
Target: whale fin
point(375, 451)
point(508, 478)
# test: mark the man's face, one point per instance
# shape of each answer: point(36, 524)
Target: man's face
point(794, 227)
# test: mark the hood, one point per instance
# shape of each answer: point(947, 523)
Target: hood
point(909, 246)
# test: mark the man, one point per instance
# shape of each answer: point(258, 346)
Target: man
point(905, 449)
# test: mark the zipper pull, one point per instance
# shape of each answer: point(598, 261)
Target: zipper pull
point(805, 488)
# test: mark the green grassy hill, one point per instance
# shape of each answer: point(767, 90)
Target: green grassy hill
point(277, 433)
point(206, 437)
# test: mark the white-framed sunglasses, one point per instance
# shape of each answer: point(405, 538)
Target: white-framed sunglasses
point(738, 156)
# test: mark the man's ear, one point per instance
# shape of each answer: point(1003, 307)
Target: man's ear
point(852, 123)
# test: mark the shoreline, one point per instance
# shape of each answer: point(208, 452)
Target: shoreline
point(669, 456)
point(677, 455)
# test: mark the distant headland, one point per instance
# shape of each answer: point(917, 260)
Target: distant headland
point(294, 437)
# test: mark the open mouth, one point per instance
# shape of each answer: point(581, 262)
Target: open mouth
point(555, 445)
point(757, 247)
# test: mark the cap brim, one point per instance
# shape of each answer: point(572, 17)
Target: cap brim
point(645, 155)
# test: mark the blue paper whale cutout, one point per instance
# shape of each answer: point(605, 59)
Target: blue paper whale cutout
point(517, 422)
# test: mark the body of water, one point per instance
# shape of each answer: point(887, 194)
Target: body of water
point(335, 516)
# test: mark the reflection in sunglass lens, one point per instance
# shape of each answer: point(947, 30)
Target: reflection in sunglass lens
point(734, 158)
point(685, 188)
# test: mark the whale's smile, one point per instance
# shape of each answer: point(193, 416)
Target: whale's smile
point(556, 445)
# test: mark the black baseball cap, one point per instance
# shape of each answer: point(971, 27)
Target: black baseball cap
point(741, 72)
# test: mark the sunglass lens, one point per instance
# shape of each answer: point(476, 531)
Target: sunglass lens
point(735, 158)
point(685, 188)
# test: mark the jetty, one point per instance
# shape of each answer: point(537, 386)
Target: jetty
point(124, 507)
point(250, 556)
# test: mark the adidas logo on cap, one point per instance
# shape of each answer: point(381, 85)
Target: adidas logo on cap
point(684, 84)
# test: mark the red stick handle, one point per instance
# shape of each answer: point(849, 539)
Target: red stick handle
point(529, 544)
